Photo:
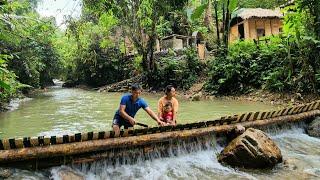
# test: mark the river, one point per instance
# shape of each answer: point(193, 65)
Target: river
point(61, 111)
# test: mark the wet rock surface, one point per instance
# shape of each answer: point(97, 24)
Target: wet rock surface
point(69, 174)
point(234, 133)
point(314, 128)
point(5, 173)
point(252, 149)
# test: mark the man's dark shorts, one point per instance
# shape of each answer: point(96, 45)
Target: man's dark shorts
point(118, 120)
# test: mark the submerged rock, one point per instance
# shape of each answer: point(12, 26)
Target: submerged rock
point(5, 173)
point(66, 173)
point(252, 149)
point(314, 128)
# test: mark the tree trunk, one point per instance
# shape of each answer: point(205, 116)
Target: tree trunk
point(317, 26)
point(145, 60)
point(208, 20)
point(226, 28)
point(151, 44)
point(217, 21)
point(223, 17)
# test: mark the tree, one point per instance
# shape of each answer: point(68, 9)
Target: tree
point(138, 20)
point(312, 7)
point(227, 8)
point(27, 39)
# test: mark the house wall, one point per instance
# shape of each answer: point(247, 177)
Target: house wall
point(177, 44)
point(234, 34)
point(166, 44)
point(270, 26)
point(173, 43)
point(246, 29)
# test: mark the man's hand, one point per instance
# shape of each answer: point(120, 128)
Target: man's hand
point(161, 123)
point(153, 115)
point(132, 121)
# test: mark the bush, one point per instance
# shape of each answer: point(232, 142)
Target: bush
point(180, 71)
point(97, 67)
point(280, 65)
point(8, 83)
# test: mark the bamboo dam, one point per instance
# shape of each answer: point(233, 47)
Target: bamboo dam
point(152, 152)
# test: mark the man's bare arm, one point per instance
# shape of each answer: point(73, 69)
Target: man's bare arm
point(154, 116)
point(125, 115)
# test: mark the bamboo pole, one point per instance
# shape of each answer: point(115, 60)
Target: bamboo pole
point(77, 148)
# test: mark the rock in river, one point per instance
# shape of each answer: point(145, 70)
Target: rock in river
point(314, 128)
point(252, 149)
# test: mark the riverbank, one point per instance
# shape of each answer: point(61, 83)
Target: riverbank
point(3, 107)
point(196, 93)
point(286, 99)
point(13, 102)
point(267, 97)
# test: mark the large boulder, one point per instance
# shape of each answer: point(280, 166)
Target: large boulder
point(252, 149)
point(235, 132)
point(314, 128)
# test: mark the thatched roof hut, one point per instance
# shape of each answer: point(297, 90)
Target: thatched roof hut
point(252, 23)
point(247, 13)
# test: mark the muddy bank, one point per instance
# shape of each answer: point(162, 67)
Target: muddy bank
point(283, 99)
point(3, 106)
point(197, 93)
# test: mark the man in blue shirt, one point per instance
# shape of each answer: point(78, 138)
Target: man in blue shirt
point(129, 106)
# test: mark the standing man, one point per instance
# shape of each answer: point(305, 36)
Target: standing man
point(129, 105)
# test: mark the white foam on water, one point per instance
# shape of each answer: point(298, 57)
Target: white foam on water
point(15, 103)
point(198, 164)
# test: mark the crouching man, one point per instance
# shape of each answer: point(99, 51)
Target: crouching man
point(129, 106)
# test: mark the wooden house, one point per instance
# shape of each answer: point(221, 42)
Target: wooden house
point(178, 42)
point(253, 23)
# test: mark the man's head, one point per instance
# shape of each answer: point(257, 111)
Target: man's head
point(170, 91)
point(135, 91)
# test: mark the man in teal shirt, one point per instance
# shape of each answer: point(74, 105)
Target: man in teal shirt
point(129, 106)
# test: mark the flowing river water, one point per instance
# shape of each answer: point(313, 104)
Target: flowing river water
point(60, 111)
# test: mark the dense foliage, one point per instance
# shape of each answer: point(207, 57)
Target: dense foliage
point(288, 63)
point(282, 64)
point(268, 4)
point(181, 71)
point(92, 51)
point(26, 49)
